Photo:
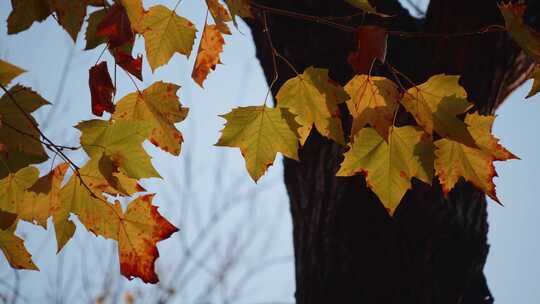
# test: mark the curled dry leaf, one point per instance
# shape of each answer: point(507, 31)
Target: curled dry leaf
point(208, 54)
point(101, 89)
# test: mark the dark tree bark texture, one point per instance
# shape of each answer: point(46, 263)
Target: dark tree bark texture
point(347, 248)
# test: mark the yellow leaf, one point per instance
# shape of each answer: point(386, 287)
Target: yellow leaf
point(479, 127)
point(158, 106)
point(70, 15)
point(166, 33)
point(15, 252)
point(220, 15)
point(454, 160)
point(525, 36)
point(314, 97)
point(122, 142)
point(8, 72)
point(25, 13)
point(135, 12)
point(373, 101)
point(536, 84)
point(260, 132)
point(208, 54)
point(389, 166)
point(142, 227)
point(43, 199)
point(435, 105)
point(13, 187)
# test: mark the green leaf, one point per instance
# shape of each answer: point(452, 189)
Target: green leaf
point(25, 13)
point(122, 142)
point(158, 105)
point(390, 166)
point(314, 98)
point(8, 72)
point(166, 33)
point(260, 132)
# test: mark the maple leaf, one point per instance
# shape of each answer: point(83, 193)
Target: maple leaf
point(70, 15)
point(210, 48)
point(536, 84)
point(15, 252)
point(8, 72)
point(435, 105)
point(480, 127)
point(116, 27)
point(135, 12)
point(17, 131)
point(260, 132)
point(101, 89)
point(314, 97)
point(142, 228)
point(92, 38)
point(365, 6)
point(122, 142)
point(166, 33)
point(525, 36)
point(390, 166)
point(455, 159)
point(240, 8)
point(158, 105)
point(42, 199)
point(220, 15)
point(13, 187)
point(373, 101)
point(371, 45)
point(128, 63)
point(25, 13)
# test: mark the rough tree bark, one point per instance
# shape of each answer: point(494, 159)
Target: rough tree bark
point(347, 248)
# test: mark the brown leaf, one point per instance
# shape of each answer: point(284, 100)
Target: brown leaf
point(101, 89)
point(371, 41)
point(116, 27)
point(128, 63)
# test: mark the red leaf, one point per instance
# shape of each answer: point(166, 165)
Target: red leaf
point(116, 27)
point(128, 63)
point(371, 45)
point(101, 89)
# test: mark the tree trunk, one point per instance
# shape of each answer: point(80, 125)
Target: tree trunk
point(347, 248)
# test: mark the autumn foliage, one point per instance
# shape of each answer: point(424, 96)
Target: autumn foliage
point(446, 140)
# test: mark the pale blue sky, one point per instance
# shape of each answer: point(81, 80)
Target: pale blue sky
point(47, 52)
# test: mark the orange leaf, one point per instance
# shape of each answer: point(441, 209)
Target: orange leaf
point(101, 89)
point(208, 54)
point(143, 227)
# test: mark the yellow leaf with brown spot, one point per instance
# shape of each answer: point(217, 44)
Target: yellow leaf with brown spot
point(208, 55)
point(220, 15)
point(480, 127)
point(260, 133)
point(373, 101)
point(166, 33)
point(158, 106)
point(314, 98)
point(390, 165)
point(13, 188)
